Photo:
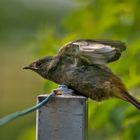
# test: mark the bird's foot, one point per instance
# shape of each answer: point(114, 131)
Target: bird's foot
point(63, 90)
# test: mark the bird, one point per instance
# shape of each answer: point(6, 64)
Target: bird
point(81, 65)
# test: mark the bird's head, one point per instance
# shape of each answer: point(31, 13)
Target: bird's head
point(40, 66)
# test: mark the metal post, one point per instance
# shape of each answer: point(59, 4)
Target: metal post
point(63, 118)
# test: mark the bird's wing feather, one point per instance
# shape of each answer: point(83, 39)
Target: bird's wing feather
point(95, 51)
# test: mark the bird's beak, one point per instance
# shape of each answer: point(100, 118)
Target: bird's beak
point(27, 67)
point(31, 67)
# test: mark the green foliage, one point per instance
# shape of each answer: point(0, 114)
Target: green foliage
point(116, 20)
point(28, 134)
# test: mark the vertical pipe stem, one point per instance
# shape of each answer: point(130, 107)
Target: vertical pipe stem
point(63, 118)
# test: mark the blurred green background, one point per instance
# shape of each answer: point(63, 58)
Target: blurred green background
point(30, 29)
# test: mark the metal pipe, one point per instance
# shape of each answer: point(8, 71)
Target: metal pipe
point(63, 118)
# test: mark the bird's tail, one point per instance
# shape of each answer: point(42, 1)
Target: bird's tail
point(131, 99)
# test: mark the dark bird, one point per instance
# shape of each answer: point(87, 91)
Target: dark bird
point(81, 65)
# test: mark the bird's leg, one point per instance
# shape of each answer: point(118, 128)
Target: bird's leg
point(63, 90)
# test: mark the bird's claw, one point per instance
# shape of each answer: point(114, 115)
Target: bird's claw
point(63, 90)
point(57, 92)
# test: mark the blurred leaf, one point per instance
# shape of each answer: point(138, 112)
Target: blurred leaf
point(28, 134)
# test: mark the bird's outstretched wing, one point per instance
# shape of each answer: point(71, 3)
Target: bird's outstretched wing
point(94, 51)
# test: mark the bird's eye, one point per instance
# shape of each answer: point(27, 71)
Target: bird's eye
point(38, 64)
